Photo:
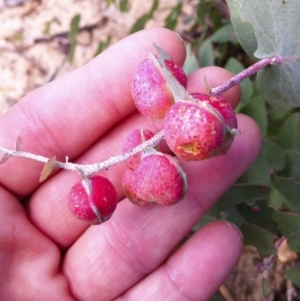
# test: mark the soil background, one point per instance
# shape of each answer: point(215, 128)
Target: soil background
point(34, 50)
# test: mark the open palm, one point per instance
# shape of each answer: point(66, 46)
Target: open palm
point(47, 254)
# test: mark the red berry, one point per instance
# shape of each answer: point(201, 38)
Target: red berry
point(129, 188)
point(226, 111)
point(93, 200)
point(157, 179)
point(221, 105)
point(133, 139)
point(150, 90)
point(193, 131)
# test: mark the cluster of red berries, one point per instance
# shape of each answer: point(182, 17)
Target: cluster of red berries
point(196, 127)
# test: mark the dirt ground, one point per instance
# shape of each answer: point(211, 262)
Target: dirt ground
point(33, 51)
point(29, 57)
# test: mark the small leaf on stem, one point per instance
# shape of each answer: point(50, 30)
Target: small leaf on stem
point(47, 169)
point(4, 158)
point(18, 144)
point(178, 91)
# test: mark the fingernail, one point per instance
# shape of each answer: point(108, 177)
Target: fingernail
point(179, 36)
point(237, 229)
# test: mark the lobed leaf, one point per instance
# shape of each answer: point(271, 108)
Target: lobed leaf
point(279, 202)
point(274, 155)
point(256, 109)
point(258, 173)
point(289, 187)
point(289, 224)
point(259, 214)
point(289, 135)
point(244, 30)
point(262, 239)
point(266, 28)
point(239, 193)
point(292, 166)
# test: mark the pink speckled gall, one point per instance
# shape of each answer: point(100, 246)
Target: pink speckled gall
point(133, 139)
point(158, 179)
point(193, 131)
point(95, 201)
point(150, 91)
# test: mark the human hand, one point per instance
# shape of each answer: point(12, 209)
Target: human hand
point(47, 254)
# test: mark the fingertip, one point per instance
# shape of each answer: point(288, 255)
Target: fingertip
point(250, 137)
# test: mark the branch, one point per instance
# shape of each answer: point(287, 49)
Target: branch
point(235, 80)
point(87, 169)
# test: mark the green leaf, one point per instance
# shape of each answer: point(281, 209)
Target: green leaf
point(289, 135)
point(277, 32)
point(283, 89)
point(276, 119)
point(260, 238)
point(258, 173)
point(279, 202)
point(256, 109)
point(289, 224)
point(191, 63)
point(294, 275)
point(172, 18)
point(102, 45)
point(72, 36)
point(154, 7)
point(140, 23)
point(266, 287)
point(276, 26)
point(244, 30)
point(224, 34)
point(259, 214)
point(292, 167)
point(266, 28)
point(234, 66)
point(124, 6)
point(206, 54)
point(274, 155)
point(110, 2)
point(289, 187)
point(203, 9)
point(239, 193)
point(233, 216)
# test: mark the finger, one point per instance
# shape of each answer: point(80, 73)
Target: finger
point(196, 270)
point(136, 240)
point(48, 207)
point(29, 262)
point(65, 117)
